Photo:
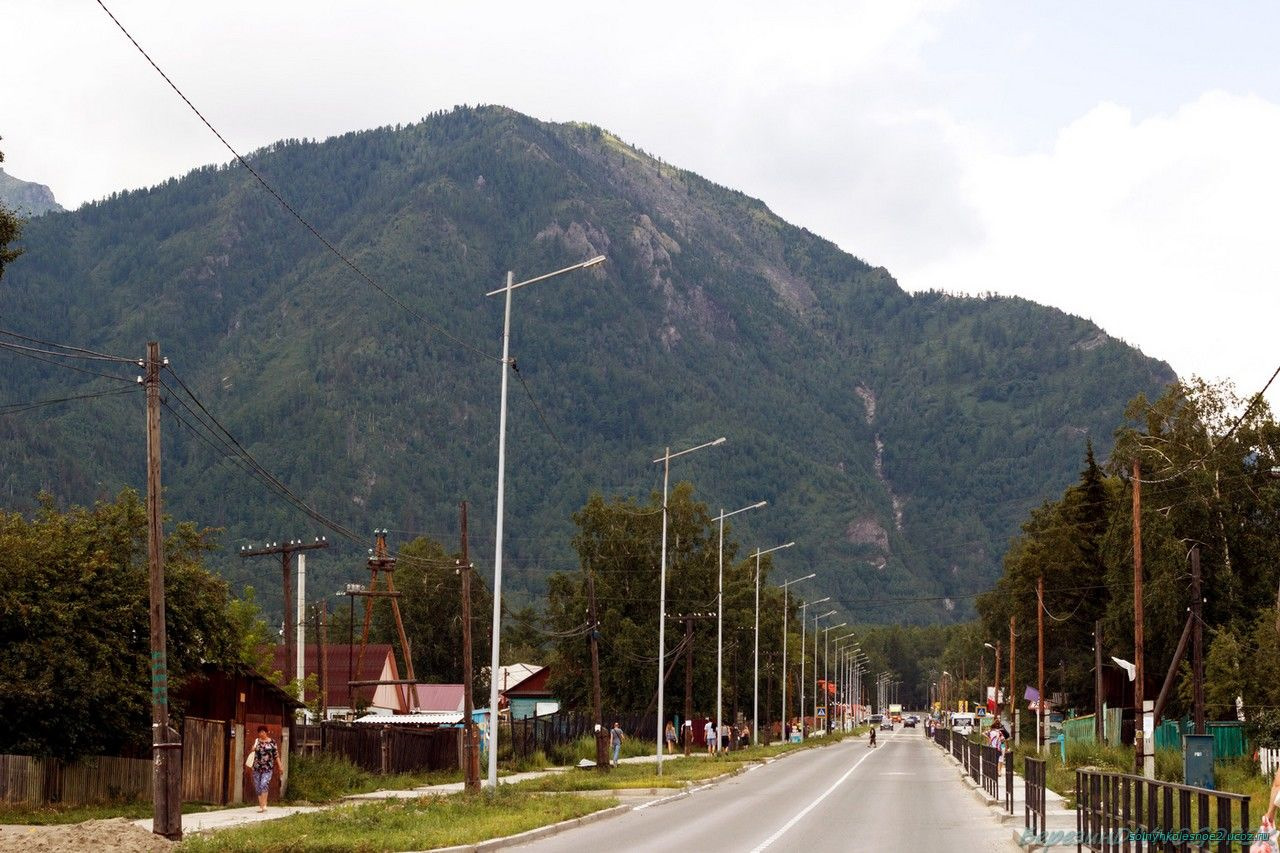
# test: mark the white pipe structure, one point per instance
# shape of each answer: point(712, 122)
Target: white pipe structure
point(842, 687)
point(817, 619)
point(826, 674)
point(785, 608)
point(755, 694)
point(502, 464)
point(804, 625)
point(302, 624)
point(665, 459)
point(720, 611)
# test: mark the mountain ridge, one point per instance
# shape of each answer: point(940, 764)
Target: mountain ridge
point(713, 316)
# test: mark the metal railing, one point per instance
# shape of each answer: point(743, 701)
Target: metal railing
point(1008, 783)
point(1034, 784)
point(1124, 811)
point(989, 761)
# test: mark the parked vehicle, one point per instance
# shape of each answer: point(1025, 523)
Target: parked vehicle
point(963, 724)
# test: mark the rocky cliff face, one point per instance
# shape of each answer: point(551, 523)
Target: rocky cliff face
point(26, 198)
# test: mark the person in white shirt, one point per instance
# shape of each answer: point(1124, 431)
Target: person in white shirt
point(709, 731)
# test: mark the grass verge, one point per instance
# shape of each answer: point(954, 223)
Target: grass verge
point(676, 773)
point(326, 778)
point(417, 824)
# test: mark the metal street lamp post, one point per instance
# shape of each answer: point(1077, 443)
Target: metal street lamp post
point(785, 607)
point(817, 619)
point(804, 625)
point(720, 612)
point(665, 459)
point(826, 673)
point(755, 696)
point(511, 285)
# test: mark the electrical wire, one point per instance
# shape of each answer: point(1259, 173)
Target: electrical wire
point(29, 352)
point(537, 408)
point(14, 408)
point(72, 351)
point(315, 232)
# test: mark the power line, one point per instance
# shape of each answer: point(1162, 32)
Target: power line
point(14, 408)
point(30, 352)
point(537, 408)
point(80, 352)
point(315, 232)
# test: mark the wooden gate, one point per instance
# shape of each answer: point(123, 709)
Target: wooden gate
point(206, 761)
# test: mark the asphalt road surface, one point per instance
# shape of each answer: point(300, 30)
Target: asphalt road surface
point(902, 795)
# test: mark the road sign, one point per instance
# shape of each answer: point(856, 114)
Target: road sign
point(822, 712)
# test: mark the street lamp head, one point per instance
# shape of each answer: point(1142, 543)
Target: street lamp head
point(988, 645)
point(759, 504)
point(596, 261)
point(720, 440)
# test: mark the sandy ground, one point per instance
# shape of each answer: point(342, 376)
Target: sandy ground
point(115, 835)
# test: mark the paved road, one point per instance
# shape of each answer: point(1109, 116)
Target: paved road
point(903, 795)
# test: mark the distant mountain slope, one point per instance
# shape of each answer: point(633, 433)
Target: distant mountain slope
point(898, 438)
point(26, 198)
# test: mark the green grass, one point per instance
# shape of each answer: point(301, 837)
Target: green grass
point(401, 824)
point(326, 778)
point(59, 814)
point(676, 773)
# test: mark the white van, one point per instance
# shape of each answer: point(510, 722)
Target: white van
point(963, 724)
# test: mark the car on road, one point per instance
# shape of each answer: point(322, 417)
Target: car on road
point(875, 720)
point(886, 724)
point(909, 723)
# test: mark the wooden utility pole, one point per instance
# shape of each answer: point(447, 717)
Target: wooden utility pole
point(1197, 642)
point(996, 680)
point(166, 746)
point(1098, 730)
point(286, 550)
point(1040, 665)
point(1014, 698)
point(322, 659)
point(688, 680)
point(470, 751)
point(382, 562)
point(1140, 747)
point(597, 702)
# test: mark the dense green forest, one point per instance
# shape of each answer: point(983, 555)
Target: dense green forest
point(1208, 469)
point(899, 438)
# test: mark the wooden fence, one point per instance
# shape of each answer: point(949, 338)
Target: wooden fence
point(28, 781)
point(211, 772)
point(390, 749)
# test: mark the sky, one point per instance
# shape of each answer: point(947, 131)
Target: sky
point(1120, 161)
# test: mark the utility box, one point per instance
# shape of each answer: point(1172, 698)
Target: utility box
point(1197, 760)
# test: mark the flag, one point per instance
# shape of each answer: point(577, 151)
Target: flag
point(1032, 695)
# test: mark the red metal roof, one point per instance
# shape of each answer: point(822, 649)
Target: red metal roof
point(534, 686)
point(338, 673)
point(439, 697)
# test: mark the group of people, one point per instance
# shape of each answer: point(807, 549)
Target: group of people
point(730, 738)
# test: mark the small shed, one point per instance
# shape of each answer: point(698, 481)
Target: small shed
point(532, 696)
point(222, 710)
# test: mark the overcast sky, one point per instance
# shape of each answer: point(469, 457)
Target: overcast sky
point(1120, 161)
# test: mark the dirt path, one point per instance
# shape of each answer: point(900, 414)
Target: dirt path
point(115, 835)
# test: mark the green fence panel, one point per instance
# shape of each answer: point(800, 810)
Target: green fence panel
point(1079, 729)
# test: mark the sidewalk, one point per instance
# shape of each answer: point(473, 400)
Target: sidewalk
point(1060, 822)
point(224, 818)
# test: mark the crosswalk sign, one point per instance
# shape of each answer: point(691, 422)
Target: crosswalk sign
point(822, 712)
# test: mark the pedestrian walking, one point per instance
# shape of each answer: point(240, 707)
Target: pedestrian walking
point(264, 761)
point(744, 735)
point(616, 737)
point(709, 731)
point(670, 736)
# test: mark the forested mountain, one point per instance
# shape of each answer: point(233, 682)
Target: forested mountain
point(899, 439)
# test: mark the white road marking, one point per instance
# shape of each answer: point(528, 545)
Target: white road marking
point(811, 806)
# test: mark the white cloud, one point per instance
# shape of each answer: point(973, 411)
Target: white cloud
point(1161, 229)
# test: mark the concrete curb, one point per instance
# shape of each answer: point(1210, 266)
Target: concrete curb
point(535, 834)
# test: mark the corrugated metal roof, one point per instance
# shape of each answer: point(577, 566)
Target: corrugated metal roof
point(411, 719)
